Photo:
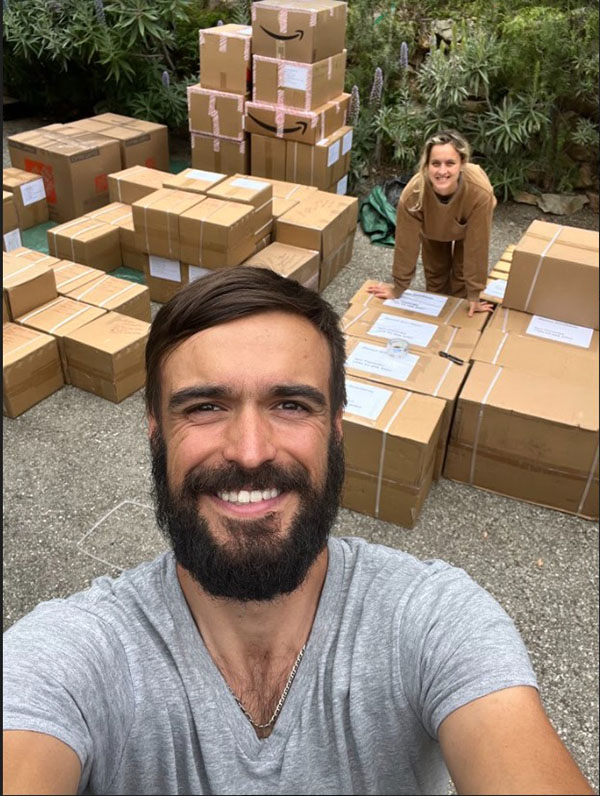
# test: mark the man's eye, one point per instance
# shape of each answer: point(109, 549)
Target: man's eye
point(190, 410)
point(292, 406)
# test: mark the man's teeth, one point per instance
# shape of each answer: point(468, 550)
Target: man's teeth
point(244, 496)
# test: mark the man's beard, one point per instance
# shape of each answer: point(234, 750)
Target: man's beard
point(258, 561)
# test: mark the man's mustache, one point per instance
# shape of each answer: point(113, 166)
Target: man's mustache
point(233, 477)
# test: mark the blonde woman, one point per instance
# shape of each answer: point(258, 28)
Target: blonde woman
point(446, 210)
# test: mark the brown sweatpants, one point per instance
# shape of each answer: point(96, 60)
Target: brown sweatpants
point(443, 267)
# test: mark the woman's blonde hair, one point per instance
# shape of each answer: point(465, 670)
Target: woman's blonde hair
point(443, 137)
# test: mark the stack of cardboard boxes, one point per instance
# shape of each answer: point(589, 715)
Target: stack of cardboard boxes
point(11, 233)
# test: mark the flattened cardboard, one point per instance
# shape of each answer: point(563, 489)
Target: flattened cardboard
point(321, 164)
point(528, 436)
point(29, 195)
point(194, 180)
point(268, 156)
point(307, 127)
point(217, 233)
point(156, 221)
point(129, 185)
point(294, 84)
point(26, 284)
point(31, 369)
point(214, 112)
point(117, 295)
point(298, 30)
point(554, 273)
point(87, 241)
point(225, 58)
point(222, 155)
point(289, 261)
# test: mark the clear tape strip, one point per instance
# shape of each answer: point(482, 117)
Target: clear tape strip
point(93, 287)
point(458, 304)
point(42, 308)
point(117, 294)
point(442, 380)
point(452, 336)
point(539, 265)
point(588, 483)
point(500, 347)
point(506, 312)
point(66, 320)
point(382, 454)
point(354, 320)
point(479, 419)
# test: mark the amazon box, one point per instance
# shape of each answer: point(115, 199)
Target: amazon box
point(29, 194)
point(415, 371)
point(129, 185)
point(254, 193)
point(118, 295)
point(225, 58)
point(11, 234)
point(74, 168)
point(268, 156)
point(554, 273)
point(307, 127)
point(106, 356)
point(31, 369)
point(296, 30)
point(390, 442)
point(58, 318)
point(194, 180)
point(141, 143)
point(302, 265)
point(222, 155)
point(71, 276)
point(26, 284)
point(298, 85)
point(527, 435)
point(164, 277)
point(215, 112)
point(422, 306)
point(322, 164)
point(156, 221)
point(217, 233)
point(87, 241)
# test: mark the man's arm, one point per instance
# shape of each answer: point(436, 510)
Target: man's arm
point(37, 763)
point(503, 743)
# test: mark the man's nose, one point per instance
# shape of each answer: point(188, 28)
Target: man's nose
point(250, 439)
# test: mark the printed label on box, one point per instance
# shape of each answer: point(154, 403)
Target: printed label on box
point(496, 288)
point(347, 143)
point(375, 360)
point(162, 268)
point(414, 332)
point(561, 332)
point(333, 154)
point(198, 174)
point(195, 272)
point(294, 77)
point(252, 185)
point(12, 240)
point(342, 185)
point(366, 400)
point(33, 192)
point(46, 172)
point(425, 303)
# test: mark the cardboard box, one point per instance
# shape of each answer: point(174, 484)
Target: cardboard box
point(87, 241)
point(120, 215)
point(298, 85)
point(58, 318)
point(26, 284)
point(415, 371)
point(321, 164)
point(29, 194)
point(216, 233)
point(72, 276)
point(131, 184)
point(6, 316)
point(333, 263)
point(296, 30)
point(554, 273)
point(194, 180)
point(74, 168)
point(117, 295)
point(252, 193)
point(390, 442)
point(268, 156)
point(307, 127)
point(506, 320)
point(424, 336)
point(23, 254)
point(225, 58)
point(340, 187)
point(220, 154)
point(11, 235)
point(422, 306)
point(106, 356)
point(529, 436)
point(156, 221)
point(289, 261)
point(141, 143)
point(31, 369)
point(288, 194)
point(164, 277)
point(217, 113)
point(494, 291)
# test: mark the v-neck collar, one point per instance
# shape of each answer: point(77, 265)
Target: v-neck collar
point(199, 663)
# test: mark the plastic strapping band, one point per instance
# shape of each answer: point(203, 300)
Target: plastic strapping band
point(479, 419)
point(42, 308)
point(118, 293)
point(442, 380)
point(313, 17)
point(505, 319)
point(358, 317)
point(66, 320)
point(539, 265)
point(247, 50)
point(453, 310)
point(118, 179)
point(68, 281)
point(382, 454)
point(19, 347)
point(294, 159)
point(280, 121)
point(452, 336)
point(8, 277)
point(500, 347)
point(93, 287)
point(222, 44)
point(589, 483)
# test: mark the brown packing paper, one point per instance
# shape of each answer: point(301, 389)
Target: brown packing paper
point(31, 369)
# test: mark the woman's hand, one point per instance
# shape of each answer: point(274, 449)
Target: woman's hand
point(480, 306)
point(382, 291)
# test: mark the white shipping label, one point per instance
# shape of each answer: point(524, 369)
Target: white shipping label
point(251, 185)
point(333, 154)
point(496, 288)
point(162, 268)
point(425, 303)
point(33, 192)
point(561, 332)
point(366, 400)
point(373, 359)
point(347, 143)
point(195, 272)
point(294, 77)
point(12, 240)
point(414, 332)
point(342, 186)
point(198, 174)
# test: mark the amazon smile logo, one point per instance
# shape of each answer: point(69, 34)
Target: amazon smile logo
point(299, 128)
point(299, 34)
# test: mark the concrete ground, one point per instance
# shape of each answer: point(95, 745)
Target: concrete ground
point(77, 505)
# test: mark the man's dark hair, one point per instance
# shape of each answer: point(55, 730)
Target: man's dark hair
point(237, 293)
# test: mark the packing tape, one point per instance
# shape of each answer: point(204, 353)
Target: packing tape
point(73, 237)
point(506, 312)
point(67, 281)
point(93, 287)
point(247, 49)
point(452, 336)
point(588, 483)
point(280, 121)
point(329, 67)
point(312, 164)
point(201, 236)
point(539, 265)
point(19, 347)
point(500, 347)
point(253, 12)
point(294, 144)
point(117, 294)
point(8, 277)
point(42, 308)
point(383, 446)
point(222, 44)
point(70, 318)
point(449, 366)
point(146, 206)
point(355, 320)
point(479, 419)
point(312, 20)
point(282, 18)
point(459, 303)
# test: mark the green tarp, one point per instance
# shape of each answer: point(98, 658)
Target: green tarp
point(378, 218)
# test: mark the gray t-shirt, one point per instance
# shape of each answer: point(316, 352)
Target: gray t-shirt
point(120, 673)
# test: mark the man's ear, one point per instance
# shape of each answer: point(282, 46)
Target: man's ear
point(152, 425)
point(337, 423)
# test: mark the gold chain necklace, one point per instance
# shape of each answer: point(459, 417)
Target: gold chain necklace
point(282, 698)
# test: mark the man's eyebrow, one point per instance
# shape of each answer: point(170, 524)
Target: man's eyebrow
point(299, 391)
point(188, 394)
point(218, 391)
